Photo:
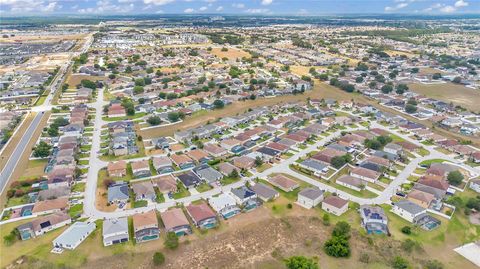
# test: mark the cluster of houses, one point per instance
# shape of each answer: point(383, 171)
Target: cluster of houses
point(123, 138)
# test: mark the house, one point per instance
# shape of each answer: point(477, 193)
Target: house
point(43, 225)
point(264, 192)
point(117, 169)
point(116, 110)
point(50, 206)
point(161, 143)
point(118, 193)
point(327, 155)
point(335, 205)
point(182, 161)
point(189, 179)
point(208, 174)
point(54, 193)
point(162, 165)
point(214, 150)
point(165, 184)
point(310, 197)
point(374, 219)
point(225, 205)
point(243, 162)
point(145, 226)
point(74, 235)
point(408, 210)
point(365, 174)
point(245, 197)
point(226, 168)
point(475, 185)
point(228, 144)
point(115, 231)
point(284, 183)
point(318, 168)
point(393, 148)
point(202, 215)
point(176, 222)
point(141, 168)
point(144, 191)
point(351, 182)
point(421, 198)
point(199, 156)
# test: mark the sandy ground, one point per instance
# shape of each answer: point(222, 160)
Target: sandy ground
point(74, 79)
point(232, 53)
point(38, 63)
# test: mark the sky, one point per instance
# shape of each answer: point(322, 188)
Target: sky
point(245, 7)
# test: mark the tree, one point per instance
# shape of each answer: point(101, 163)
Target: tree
point(42, 150)
point(154, 120)
point(437, 76)
point(409, 108)
point(234, 174)
point(406, 230)
point(88, 84)
point(158, 258)
point(399, 263)
point(386, 89)
point(342, 228)
point(173, 116)
point(138, 89)
point(433, 264)
point(326, 219)
point(218, 104)
point(258, 161)
point(300, 262)
point(455, 178)
point(337, 246)
point(359, 79)
point(402, 88)
point(171, 241)
point(457, 80)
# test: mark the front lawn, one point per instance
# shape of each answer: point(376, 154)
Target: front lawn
point(203, 187)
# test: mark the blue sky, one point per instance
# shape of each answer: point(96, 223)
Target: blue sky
point(266, 7)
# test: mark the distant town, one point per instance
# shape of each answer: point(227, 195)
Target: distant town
point(144, 144)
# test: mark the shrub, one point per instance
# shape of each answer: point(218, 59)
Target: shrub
point(399, 263)
point(289, 206)
point(364, 258)
point(337, 246)
point(406, 230)
point(326, 219)
point(342, 229)
point(433, 264)
point(171, 242)
point(158, 258)
point(300, 262)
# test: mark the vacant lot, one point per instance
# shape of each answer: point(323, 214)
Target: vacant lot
point(232, 53)
point(401, 53)
point(449, 92)
point(74, 80)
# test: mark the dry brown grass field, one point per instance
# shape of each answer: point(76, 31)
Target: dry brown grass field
point(231, 54)
point(450, 92)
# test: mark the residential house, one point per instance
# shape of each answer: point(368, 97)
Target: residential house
point(144, 191)
point(162, 165)
point(141, 168)
point(475, 185)
point(408, 210)
point(208, 174)
point(245, 197)
point(74, 235)
point(202, 215)
point(374, 219)
point(115, 231)
point(165, 184)
point(43, 225)
point(182, 161)
point(189, 179)
point(199, 156)
point(226, 168)
point(365, 174)
point(117, 169)
point(118, 193)
point(421, 198)
point(176, 222)
point(214, 150)
point(145, 226)
point(393, 149)
point(310, 197)
point(351, 182)
point(264, 192)
point(225, 205)
point(335, 205)
point(50, 206)
point(284, 183)
point(243, 162)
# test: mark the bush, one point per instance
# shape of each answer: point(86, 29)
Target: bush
point(406, 230)
point(171, 242)
point(158, 258)
point(408, 245)
point(433, 264)
point(364, 258)
point(300, 262)
point(326, 219)
point(399, 263)
point(455, 178)
point(154, 120)
point(289, 206)
point(337, 246)
point(342, 229)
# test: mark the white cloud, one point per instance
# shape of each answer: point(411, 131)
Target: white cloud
point(461, 3)
point(29, 6)
point(220, 8)
point(448, 9)
point(189, 10)
point(302, 11)
point(238, 5)
point(266, 2)
point(257, 10)
point(158, 2)
point(210, 1)
point(400, 5)
point(203, 8)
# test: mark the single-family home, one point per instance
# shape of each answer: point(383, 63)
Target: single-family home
point(245, 197)
point(43, 225)
point(264, 192)
point(162, 164)
point(225, 205)
point(189, 179)
point(243, 162)
point(208, 174)
point(141, 168)
point(408, 210)
point(421, 198)
point(182, 161)
point(165, 184)
point(475, 185)
point(351, 182)
point(118, 192)
point(145, 226)
point(374, 219)
point(50, 206)
point(202, 215)
point(115, 231)
point(176, 222)
point(310, 197)
point(365, 174)
point(74, 235)
point(117, 169)
point(335, 205)
point(284, 183)
point(144, 191)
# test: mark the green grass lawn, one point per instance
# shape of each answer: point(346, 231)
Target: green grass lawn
point(83, 162)
point(75, 210)
point(140, 203)
point(79, 187)
point(423, 152)
point(182, 192)
point(136, 116)
point(203, 187)
point(429, 162)
point(228, 180)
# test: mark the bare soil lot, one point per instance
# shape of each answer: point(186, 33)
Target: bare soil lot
point(232, 53)
point(449, 92)
point(74, 79)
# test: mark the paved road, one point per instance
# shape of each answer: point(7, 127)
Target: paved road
point(27, 136)
point(18, 152)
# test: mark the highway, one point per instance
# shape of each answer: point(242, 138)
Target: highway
point(13, 159)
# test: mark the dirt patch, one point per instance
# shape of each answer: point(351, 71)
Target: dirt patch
point(474, 218)
point(230, 54)
point(74, 80)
